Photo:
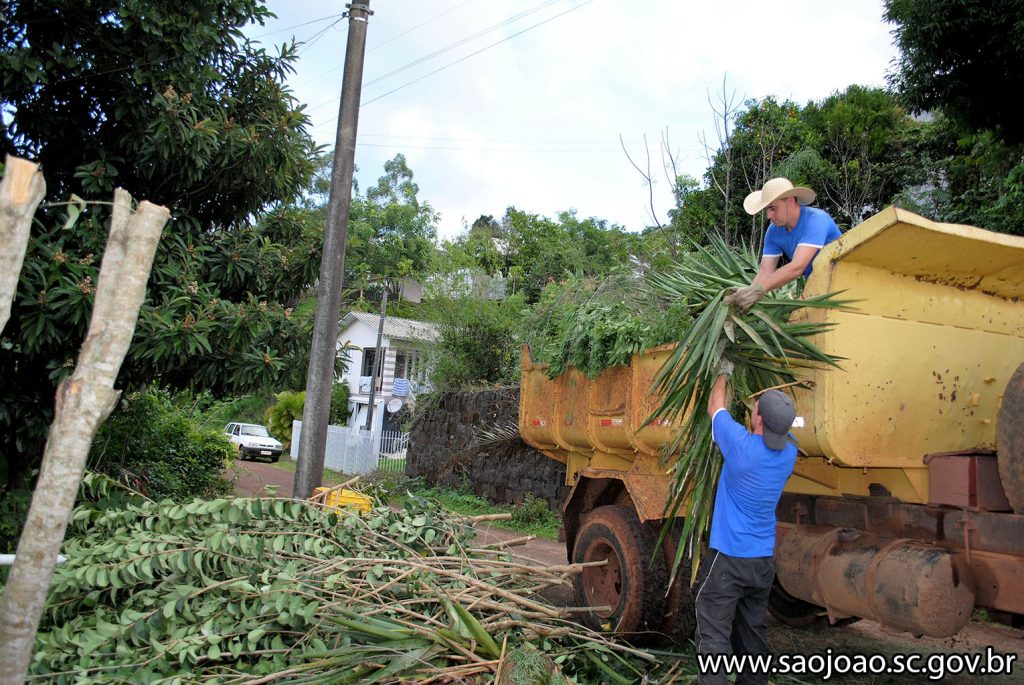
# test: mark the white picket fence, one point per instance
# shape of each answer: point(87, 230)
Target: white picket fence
point(358, 452)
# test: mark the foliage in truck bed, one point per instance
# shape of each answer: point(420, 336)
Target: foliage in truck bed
point(594, 324)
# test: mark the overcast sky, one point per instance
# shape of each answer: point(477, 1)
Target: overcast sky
point(533, 120)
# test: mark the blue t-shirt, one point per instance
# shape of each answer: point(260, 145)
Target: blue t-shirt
point(814, 228)
point(743, 524)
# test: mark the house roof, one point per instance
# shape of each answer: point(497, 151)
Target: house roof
point(394, 327)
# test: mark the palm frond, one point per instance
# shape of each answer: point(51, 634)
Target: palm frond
point(765, 347)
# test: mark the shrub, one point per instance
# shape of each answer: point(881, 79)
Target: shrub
point(279, 417)
point(158, 448)
point(339, 404)
point(478, 343)
point(534, 512)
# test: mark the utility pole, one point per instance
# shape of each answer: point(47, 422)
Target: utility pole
point(378, 360)
point(320, 376)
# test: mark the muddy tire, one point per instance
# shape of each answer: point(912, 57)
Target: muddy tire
point(241, 453)
point(678, 619)
point(629, 585)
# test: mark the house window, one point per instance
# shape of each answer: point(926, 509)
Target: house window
point(409, 365)
point(369, 354)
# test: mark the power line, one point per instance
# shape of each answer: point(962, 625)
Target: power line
point(463, 41)
point(422, 23)
point(611, 149)
point(686, 153)
point(452, 46)
point(472, 54)
point(317, 36)
point(389, 40)
point(494, 140)
point(306, 23)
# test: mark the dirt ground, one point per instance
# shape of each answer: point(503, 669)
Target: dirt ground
point(860, 638)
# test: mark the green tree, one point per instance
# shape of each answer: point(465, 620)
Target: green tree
point(963, 58)
point(858, 149)
point(339, 404)
point(175, 106)
point(288, 408)
point(479, 344)
point(180, 109)
point(391, 233)
point(541, 250)
point(859, 137)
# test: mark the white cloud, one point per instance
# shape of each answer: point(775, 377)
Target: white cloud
point(535, 121)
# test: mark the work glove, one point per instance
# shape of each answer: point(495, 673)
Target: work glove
point(726, 368)
point(744, 298)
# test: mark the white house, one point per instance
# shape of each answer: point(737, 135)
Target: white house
point(403, 373)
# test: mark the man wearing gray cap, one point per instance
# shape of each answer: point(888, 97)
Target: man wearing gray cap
point(794, 230)
point(737, 573)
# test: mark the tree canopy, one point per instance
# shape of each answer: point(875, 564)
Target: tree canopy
point(180, 109)
point(963, 58)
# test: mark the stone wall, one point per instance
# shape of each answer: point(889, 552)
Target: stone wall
point(445, 448)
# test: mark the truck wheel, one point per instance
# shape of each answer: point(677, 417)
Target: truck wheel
point(678, 617)
point(797, 613)
point(629, 585)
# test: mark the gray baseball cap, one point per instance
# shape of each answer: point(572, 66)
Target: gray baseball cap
point(777, 412)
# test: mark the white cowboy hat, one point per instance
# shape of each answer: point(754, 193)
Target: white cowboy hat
point(776, 189)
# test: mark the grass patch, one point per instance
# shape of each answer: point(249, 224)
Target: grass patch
point(396, 465)
point(330, 479)
point(532, 517)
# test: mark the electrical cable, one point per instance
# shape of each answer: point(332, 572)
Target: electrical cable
point(463, 41)
point(296, 26)
point(422, 23)
point(452, 46)
point(473, 54)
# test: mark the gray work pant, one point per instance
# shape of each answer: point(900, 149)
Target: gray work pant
point(731, 601)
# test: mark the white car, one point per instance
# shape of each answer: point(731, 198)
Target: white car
point(253, 440)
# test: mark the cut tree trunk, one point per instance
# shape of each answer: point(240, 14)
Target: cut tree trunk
point(21, 191)
point(83, 401)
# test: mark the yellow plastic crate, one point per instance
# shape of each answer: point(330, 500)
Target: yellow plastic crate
point(345, 498)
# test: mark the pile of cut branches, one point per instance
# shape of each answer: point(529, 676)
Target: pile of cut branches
point(271, 590)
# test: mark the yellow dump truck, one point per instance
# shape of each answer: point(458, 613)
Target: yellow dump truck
point(907, 502)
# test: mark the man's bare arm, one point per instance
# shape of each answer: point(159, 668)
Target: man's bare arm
point(717, 399)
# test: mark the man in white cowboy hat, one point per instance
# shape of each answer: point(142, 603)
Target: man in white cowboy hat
point(795, 230)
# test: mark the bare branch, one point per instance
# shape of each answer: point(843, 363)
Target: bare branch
point(646, 174)
point(723, 132)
